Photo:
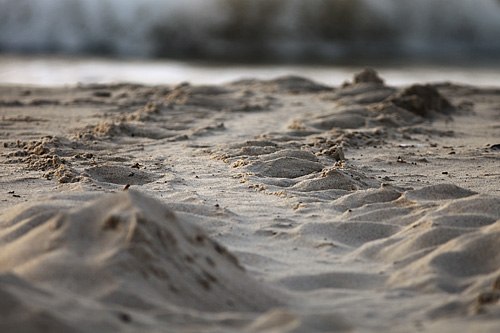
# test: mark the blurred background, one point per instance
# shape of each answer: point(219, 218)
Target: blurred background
point(205, 41)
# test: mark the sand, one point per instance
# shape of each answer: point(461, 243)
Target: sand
point(254, 206)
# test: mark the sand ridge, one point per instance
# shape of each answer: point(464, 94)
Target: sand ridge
point(281, 205)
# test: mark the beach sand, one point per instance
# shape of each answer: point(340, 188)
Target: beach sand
point(255, 206)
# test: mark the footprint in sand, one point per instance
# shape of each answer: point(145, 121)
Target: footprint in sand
point(120, 175)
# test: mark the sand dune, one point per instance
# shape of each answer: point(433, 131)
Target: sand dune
point(279, 206)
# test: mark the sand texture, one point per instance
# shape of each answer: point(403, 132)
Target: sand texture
point(254, 206)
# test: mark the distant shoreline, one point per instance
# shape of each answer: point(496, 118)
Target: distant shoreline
point(66, 70)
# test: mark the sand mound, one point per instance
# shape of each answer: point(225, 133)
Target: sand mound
point(127, 250)
point(438, 192)
point(328, 180)
point(445, 234)
point(285, 164)
point(424, 100)
point(451, 264)
point(367, 104)
point(218, 98)
point(344, 117)
point(367, 87)
point(285, 167)
point(286, 84)
point(383, 194)
point(368, 75)
point(296, 84)
point(281, 169)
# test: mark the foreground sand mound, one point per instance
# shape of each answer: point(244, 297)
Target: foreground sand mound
point(128, 250)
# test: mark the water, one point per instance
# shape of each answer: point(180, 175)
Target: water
point(57, 71)
point(56, 42)
point(255, 30)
